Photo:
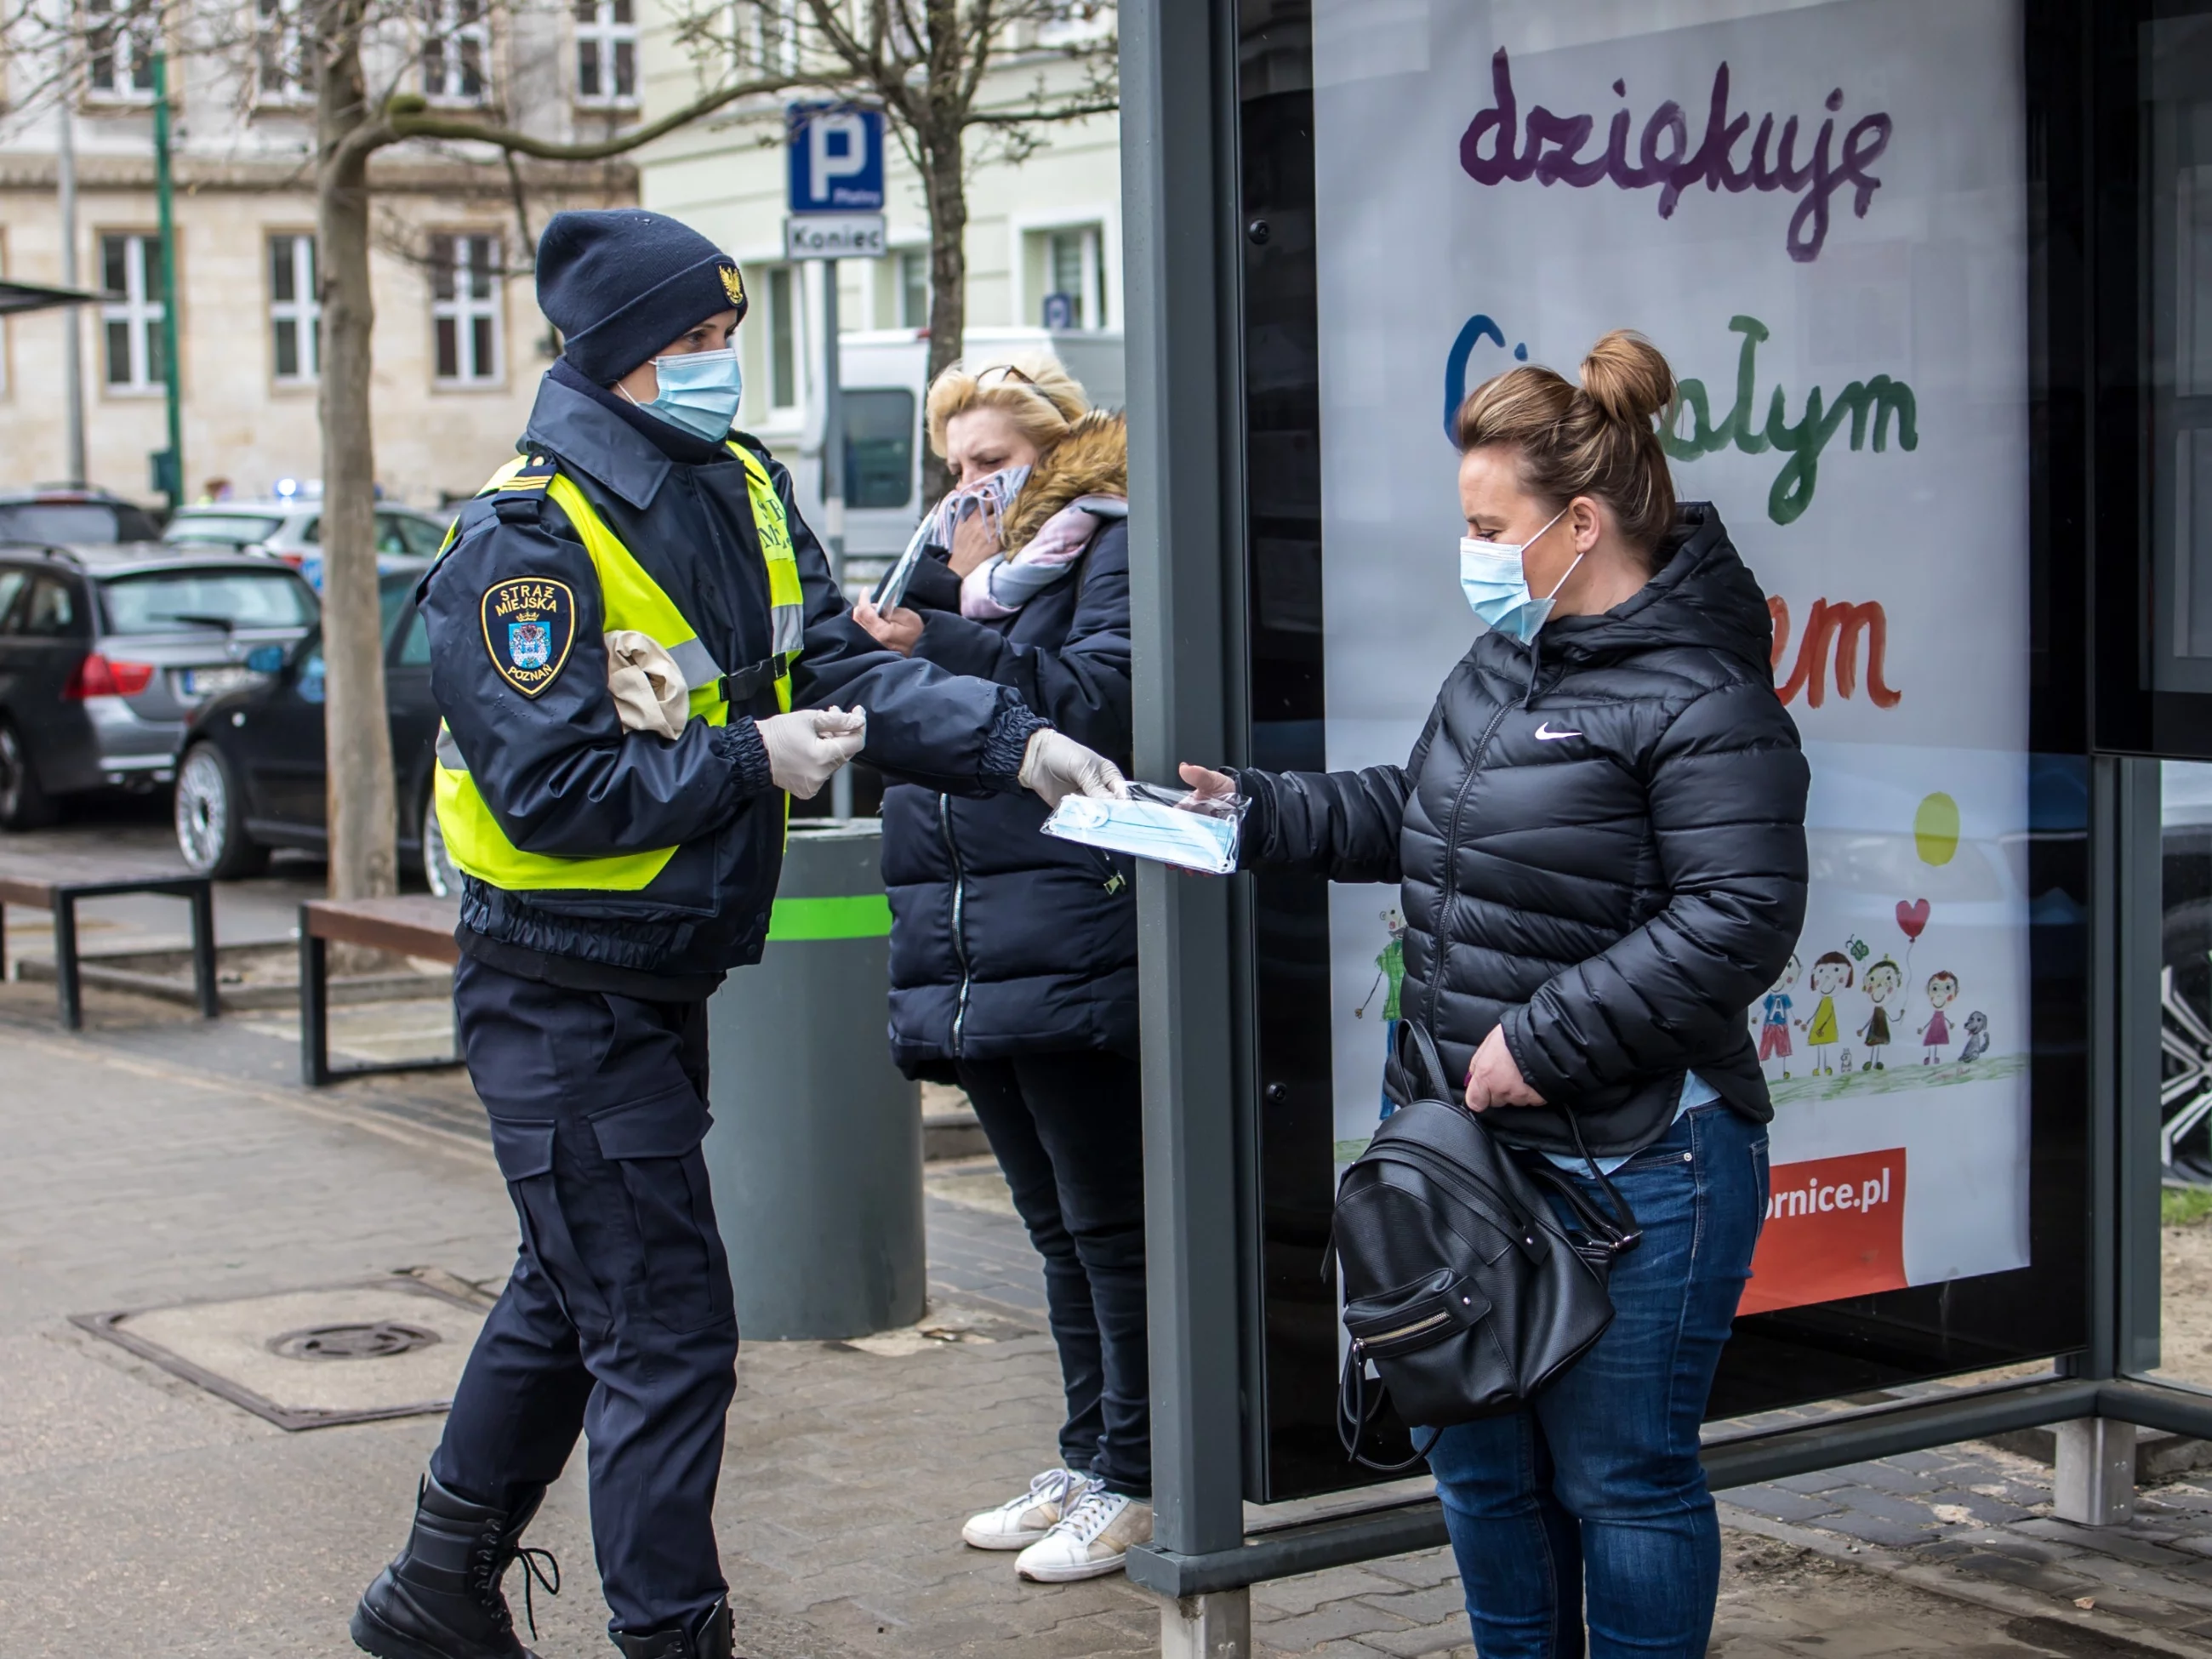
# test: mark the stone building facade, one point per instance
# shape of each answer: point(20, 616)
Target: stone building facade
point(459, 342)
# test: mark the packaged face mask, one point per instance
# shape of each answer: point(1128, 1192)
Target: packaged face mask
point(1152, 824)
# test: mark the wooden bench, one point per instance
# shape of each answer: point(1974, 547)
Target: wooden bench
point(58, 884)
point(414, 925)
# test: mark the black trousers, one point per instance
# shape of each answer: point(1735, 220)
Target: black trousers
point(1068, 1132)
point(618, 1321)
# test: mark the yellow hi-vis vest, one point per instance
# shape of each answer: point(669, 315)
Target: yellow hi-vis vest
point(631, 599)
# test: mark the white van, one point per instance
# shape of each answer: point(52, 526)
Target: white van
point(881, 373)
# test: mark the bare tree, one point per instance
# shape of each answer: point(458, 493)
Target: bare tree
point(928, 66)
point(925, 62)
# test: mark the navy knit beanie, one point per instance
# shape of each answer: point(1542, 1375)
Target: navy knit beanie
point(620, 283)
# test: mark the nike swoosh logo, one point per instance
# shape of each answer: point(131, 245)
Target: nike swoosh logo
point(1544, 734)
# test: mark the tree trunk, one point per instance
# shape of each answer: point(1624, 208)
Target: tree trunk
point(944, 188)
point(359, 794)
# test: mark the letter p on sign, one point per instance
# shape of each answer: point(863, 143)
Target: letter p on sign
point(837, 149)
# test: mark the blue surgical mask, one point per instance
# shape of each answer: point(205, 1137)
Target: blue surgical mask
point(700, 391)
point(1495, 580)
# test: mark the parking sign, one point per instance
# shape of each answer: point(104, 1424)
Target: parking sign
point(836, 158)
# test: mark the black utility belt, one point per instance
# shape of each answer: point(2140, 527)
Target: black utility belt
point(748, 682)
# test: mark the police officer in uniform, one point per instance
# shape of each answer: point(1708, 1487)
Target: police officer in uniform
point(640, 653)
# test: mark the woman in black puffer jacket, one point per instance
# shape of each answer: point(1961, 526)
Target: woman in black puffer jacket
point(1599, 844)
point(1013, 953)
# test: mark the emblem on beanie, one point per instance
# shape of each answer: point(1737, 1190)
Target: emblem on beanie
point(734, 285)
point(529, 624)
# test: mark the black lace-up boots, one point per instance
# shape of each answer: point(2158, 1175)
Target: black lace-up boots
point(441, 1599)
point(707, 1638)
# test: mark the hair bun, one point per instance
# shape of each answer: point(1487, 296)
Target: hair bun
point(1626, 377)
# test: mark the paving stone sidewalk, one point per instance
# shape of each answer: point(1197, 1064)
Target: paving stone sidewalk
point(154, 1159)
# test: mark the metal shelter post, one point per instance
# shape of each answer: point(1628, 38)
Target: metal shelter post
point(1177, 188)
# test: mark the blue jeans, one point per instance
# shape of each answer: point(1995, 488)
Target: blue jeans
point(1590, 1502)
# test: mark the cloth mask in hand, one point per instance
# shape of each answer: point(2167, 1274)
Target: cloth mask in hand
point(1496, 582)
point(700, 391)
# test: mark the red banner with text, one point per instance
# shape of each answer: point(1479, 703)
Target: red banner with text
point(1835, 1227)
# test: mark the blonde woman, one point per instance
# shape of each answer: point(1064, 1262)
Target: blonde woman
point(1013, 954)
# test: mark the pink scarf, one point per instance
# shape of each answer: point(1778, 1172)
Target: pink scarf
point(1001, 586)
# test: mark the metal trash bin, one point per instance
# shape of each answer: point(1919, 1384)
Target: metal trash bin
point(816, 1152)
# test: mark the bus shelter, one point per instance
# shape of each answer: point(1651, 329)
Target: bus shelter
point(1928, 274)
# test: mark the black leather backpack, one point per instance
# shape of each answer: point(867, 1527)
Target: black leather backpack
point(1459, 1283)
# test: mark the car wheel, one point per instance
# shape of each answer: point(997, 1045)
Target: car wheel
point(210, 819)
point(23, 804)
point(438, 870)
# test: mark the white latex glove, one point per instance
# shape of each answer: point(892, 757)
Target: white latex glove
point(806, 746)
point(1056, 767)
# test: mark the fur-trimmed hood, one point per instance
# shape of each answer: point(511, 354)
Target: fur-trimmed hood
point(1092, 459)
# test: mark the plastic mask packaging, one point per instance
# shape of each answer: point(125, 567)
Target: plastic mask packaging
point(1153, 823)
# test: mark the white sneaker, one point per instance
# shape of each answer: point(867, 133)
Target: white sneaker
point(1091, 1539)
point(1020, 1521)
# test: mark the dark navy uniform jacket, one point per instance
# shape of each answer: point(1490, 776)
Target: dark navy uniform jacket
point(1006, 940)
point(562, 776)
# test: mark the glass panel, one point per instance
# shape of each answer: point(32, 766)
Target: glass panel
point(484, 364)
point(51, 613)
point(280, 268)
point(57, 521)
point(11, 585)
point(449, 348)
point(783, 346)
point(1461, 189)
point(625, 69)
point(442, 268)
point(287, 348)
point(118, 353)
point(2177, 69)
point(113, 274)
point(879, 439)
point(2185, 1076)
point(914, 290)
point(230, 529)
point(587, 68)
point(171, 600)
point(393, 598)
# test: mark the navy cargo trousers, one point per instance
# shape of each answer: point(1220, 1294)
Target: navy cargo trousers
point(618, 1321)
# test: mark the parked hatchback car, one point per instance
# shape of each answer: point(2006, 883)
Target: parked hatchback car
point(105, 652)
point(252, 771)
point(67, 514)
point(293, 529)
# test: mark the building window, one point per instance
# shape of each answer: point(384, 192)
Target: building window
point(465, 308)
point(120, 41)
point(767, 37)
point(281, 54)
point(295, 311)
point(456, 50)
point(914, 288)
point(782, 338)
point(606, 53)
point(130, 267)
point(1070, 264)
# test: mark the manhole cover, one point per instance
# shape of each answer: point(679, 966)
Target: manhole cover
point(379, 1339)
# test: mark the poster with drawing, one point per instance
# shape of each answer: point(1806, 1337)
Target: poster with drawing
point(1822, 221)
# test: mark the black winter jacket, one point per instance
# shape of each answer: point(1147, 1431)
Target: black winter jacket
point(1005, 940)
point(562, 776)
point(1600, 844)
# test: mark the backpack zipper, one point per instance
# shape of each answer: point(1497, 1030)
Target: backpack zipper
point(1414, 1329)
point(959, 909)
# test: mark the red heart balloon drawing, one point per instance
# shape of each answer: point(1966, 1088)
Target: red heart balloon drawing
point(1912, 917)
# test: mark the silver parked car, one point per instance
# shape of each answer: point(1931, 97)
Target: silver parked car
point(292, 529)
point(105, 651)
